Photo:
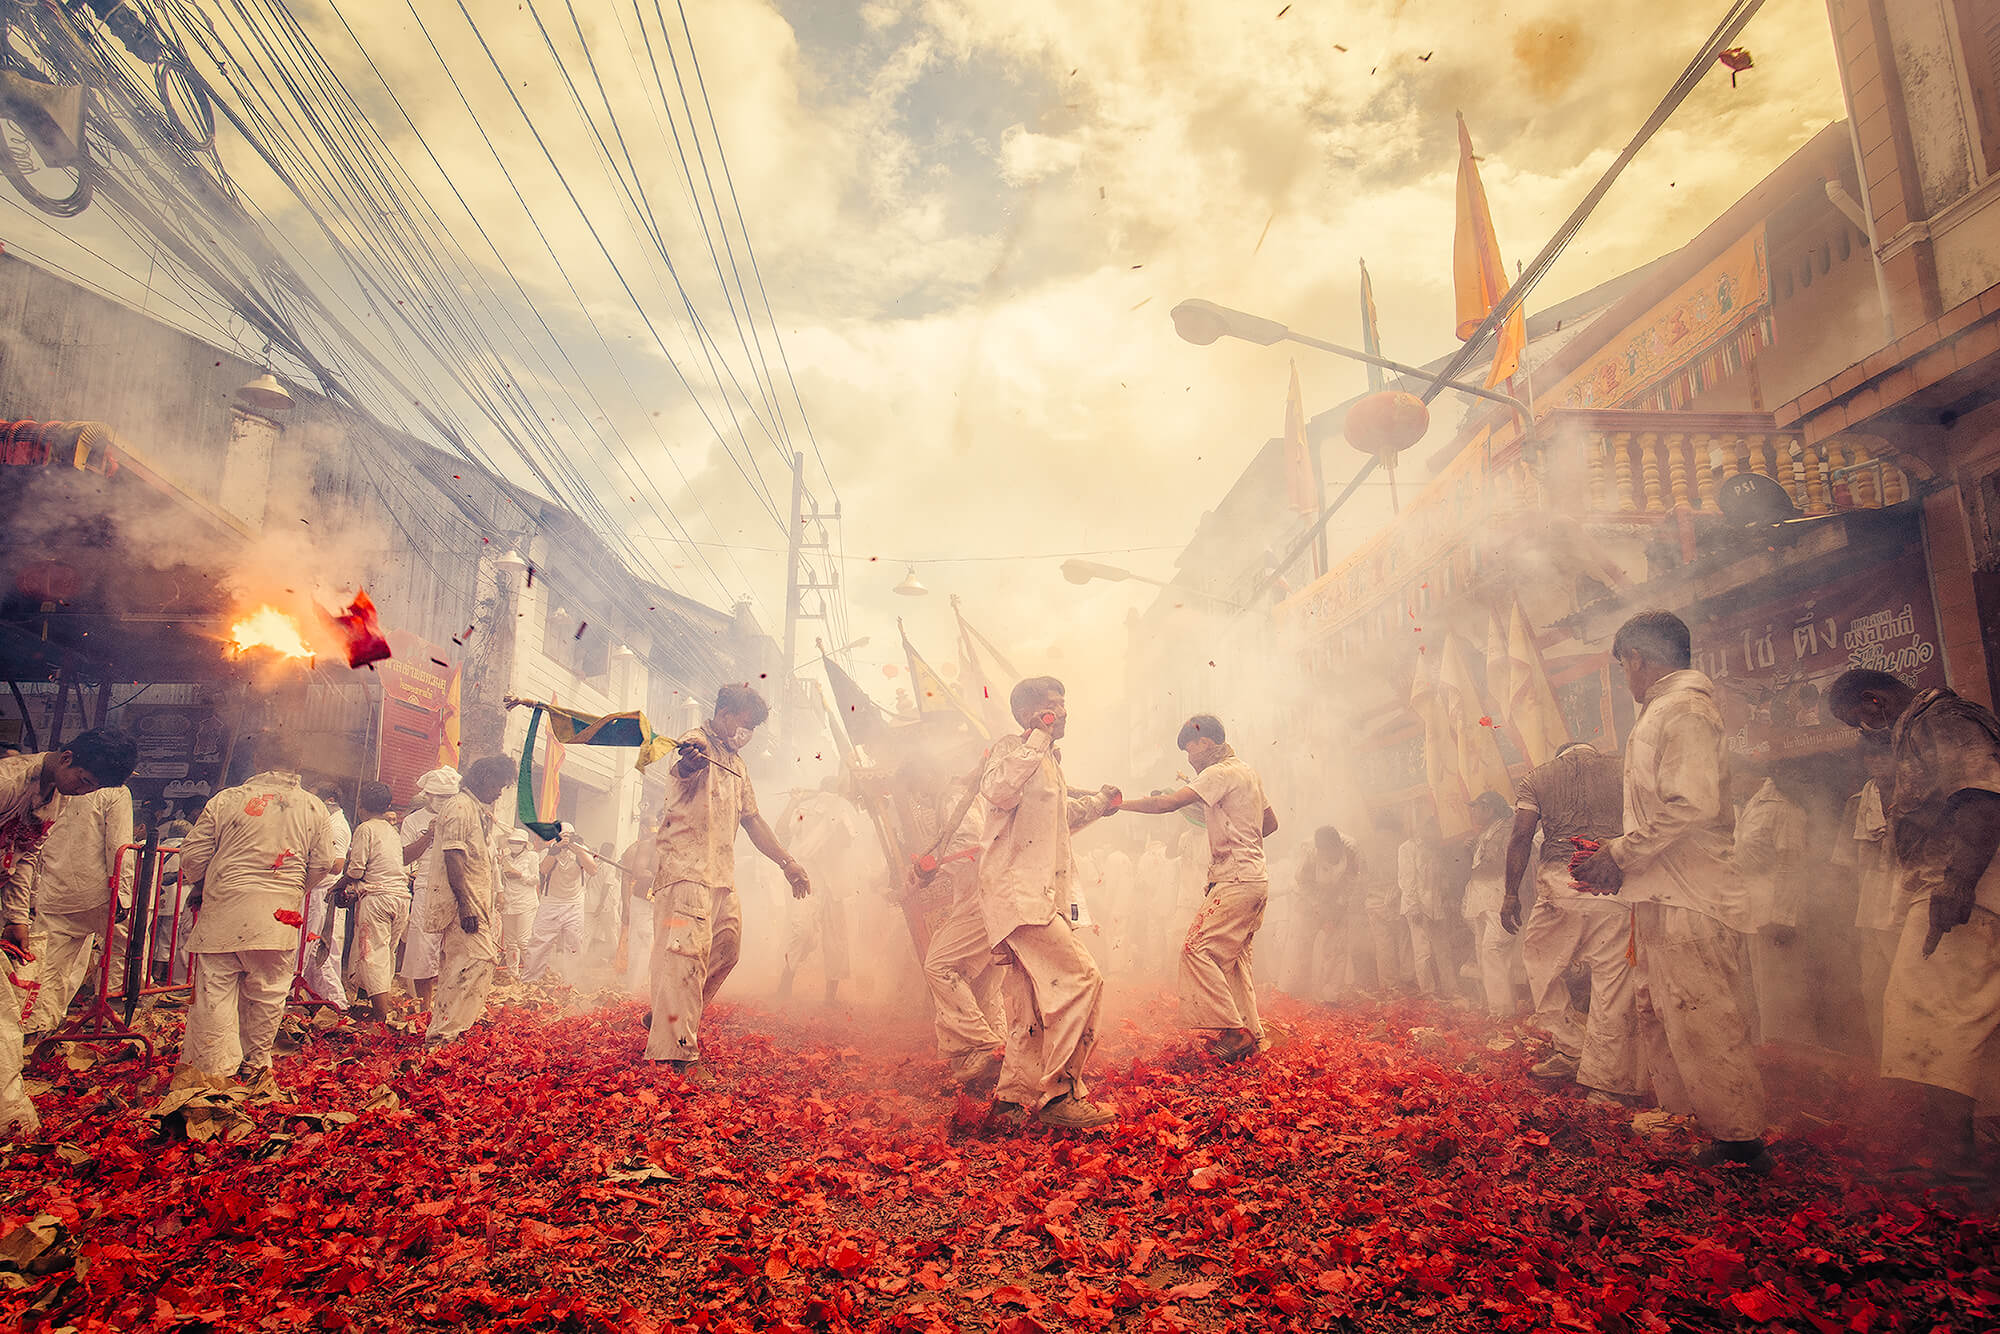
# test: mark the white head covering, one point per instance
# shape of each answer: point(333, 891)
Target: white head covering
point(517, 835)
point(439, 782)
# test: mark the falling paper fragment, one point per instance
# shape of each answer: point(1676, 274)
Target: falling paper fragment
point(360, 633)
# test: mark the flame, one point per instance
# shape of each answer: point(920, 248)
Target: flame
point(267, 627)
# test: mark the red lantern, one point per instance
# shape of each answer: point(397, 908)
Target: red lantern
point(1387, 423)
point(47, 581)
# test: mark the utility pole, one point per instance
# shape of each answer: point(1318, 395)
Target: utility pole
point(801, 578)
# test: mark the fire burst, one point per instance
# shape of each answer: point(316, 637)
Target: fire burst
point(267, 627)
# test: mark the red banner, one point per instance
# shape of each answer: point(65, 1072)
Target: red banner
point(416, 690)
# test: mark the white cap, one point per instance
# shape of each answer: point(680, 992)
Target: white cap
point(441, 782)
point(517, 835)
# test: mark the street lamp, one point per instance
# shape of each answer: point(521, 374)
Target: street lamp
point(1202, 322)
point(911, 587)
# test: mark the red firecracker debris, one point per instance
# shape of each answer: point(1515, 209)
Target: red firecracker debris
point(289, 917)
point(1736, 59)
point(360, 633)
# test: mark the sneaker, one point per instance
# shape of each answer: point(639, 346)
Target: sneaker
point(1067, 1113)
point(1010, 1114)
point(1233, 1046)
point(1604, 1098)
point(1559, 1067)
point(980, 1070)
point(1750, 1155)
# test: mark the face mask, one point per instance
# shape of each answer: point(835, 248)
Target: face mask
point(739, 738)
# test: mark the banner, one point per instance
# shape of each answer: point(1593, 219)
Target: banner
point(416, 692)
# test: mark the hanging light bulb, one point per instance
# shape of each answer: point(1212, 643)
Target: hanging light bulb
point(265, 394)
point(911, 587)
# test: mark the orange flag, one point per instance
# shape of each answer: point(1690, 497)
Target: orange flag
point(551, 792)
point(1478, 273)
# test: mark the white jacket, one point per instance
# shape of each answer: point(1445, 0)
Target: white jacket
point(1679, 829)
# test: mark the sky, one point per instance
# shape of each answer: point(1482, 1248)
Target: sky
point(970, 220)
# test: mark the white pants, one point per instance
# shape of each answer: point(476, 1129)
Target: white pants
point(379, 923)
point(1596, 932)
point(62, 945)
point(639, 948)
point(1053, 993)
point(557, 939)
point(1878, 955)
point(464, 979)
point(1784, 1007)
point(697, 935)
point(423, 951)
point(234, 1009)
point(1692, 1029)
point(1216, 987)
point(964, 983)
point(1499, 963)
point(1430, 955)
point(1941, 1015)
point(320, 960)
point(818, 921)
point(17, 1114)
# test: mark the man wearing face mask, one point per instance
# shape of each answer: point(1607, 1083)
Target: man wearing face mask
point(1690, 909)
point(1217, 992)
point(698, 925)
point(1051, 985)
point(468, 918)
point(423, 948)
point(1941, 1011)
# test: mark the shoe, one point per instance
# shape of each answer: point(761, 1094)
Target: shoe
point(1009, 1114)
point(1233, 1046)
point(978, 1071)
point(261, 1083)
point(1067, 1113)
point(1559, 1066)
point(1622, 1101)
point(646, 1020)
point(1750, 1155)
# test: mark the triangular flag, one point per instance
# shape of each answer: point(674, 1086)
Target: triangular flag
point(935, 698)
point(1478, 273)
point(975, 683)
point(1440, 757)
point(1371, 331)
point(1480, 766)
point(1531, 699)
point(1301, 478)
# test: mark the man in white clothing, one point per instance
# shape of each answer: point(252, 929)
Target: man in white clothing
point(1770, 856)
point(255, 849)
point(375, 882)
point(823, 830)
point(1941, 1012)
point(423, 948)
point(1050, 984)
point(964, 980)
point(1487, 892)
point(73, 898)
point(1217, 991)
point(558, 938)
point(1329, 918)
point(1673, 865)
point(698, 922)
point(33, 792)
point(467, 919)
point(1420, 886)
point(520, 896)
point(1577, 803)
point(325, 919)
point(1862, 842)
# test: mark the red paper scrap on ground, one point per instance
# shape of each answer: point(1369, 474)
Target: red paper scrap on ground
point(1390, 1167)
point(360, 633)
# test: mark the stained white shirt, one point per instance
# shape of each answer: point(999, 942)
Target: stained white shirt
point(1679, 829)
point(1233, 798)
point(375, 859)
point(255, 849)
point(73, 874)
point(1027, 871)
point(25, 820)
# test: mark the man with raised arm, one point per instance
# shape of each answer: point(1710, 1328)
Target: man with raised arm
point(1050, 983)
point(1217, 991)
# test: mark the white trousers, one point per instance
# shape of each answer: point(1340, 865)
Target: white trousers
point(1878, 955)
point(321, 960)
point(1053, 993)
point(62, 945)
point(697, 936)
point(464, 979)
point(1430, 955)
point(1941, 1015)
point(1692, 1029)
point(234, 1009)
point(380, 921)
point(964, 983)
point(557, 939)
point(1499, 963)
point(1217, 991)
point(639, 948)
point(1596, 932)
point(17, 1114)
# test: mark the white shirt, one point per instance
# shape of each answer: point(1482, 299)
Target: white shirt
point(73, 874)
point(1027, 874)
point(1420, 879)
point(1486, 890)
point(520, 879)
point(255, 848)
point(1770, 845)
point(1233, 796)
point(1678, 839)
point(339, 838)
point(375, 860)
point(24, 822)
point(566, 877)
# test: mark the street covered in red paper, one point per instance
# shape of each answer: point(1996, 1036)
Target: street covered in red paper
point(1389, 1167)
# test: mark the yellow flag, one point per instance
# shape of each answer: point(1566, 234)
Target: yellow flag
point(1478, 273)
point(1480, 767)
point(1440, 757)
point(1531, 699)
